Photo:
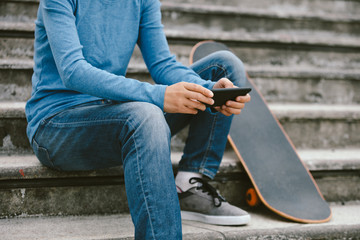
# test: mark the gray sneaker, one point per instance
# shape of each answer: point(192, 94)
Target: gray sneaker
point(205, 204)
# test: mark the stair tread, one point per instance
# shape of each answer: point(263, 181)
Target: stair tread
point(263, 223)
point(224, 9)
point(11, 109)
point(16, 63)
point(307, 37)
point(258, 12)
point(275, 71)
point(315, 111)
point(344, 46)
point(28, 167)
point(298, 72)
point(17, 26)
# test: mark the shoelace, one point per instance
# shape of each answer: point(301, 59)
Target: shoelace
point(210, 190)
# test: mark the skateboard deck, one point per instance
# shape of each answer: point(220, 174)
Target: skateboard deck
point(280, 179)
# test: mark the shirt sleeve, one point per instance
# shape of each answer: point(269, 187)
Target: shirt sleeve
point(162, 65)
point(76, 73)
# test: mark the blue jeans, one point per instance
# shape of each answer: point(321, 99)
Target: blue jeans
point(137, 135)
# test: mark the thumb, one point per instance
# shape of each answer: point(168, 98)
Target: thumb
point(226, 83)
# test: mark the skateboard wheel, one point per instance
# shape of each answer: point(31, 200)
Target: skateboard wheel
point(252, 198)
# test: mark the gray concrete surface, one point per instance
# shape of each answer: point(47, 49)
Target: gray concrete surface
point(309, 126)
point(28, 188)
point(309, 7)
point(315, 160)
point(345, 224)
point(299, 51)
point(278, 84)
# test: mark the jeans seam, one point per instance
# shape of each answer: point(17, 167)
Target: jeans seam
point(45, 151)
point(204, 160)
point(89, 122)
point(141, 181)
point(214, 65)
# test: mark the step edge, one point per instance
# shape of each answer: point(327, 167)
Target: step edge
point(338, 40)
point(10, 109)
point(119, 226)
point(280, 72)
point(253, 70)
point(314, 111)
point(234, 10)
point(259, 38)
point(226, 10)
point(28, 167)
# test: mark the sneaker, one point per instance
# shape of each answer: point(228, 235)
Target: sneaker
point(205, 204)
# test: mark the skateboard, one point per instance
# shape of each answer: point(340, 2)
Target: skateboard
point(280, 179)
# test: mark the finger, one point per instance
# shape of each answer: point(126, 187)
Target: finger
point(195, 105)
point(217, 109)
point(243, 99)
point(195, 96)
point(191, 111)
point(200, 89)
point(225, 112)
point(230, 110)
point(188, 110)
point(233, 104)
point(226, 83)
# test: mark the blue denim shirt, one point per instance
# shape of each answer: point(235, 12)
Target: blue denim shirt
point(82, 50)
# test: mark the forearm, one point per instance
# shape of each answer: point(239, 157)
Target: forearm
point(100, 83)
point(163, 66)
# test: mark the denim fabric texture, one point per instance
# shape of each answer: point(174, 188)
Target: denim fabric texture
point(82, 50)
point(137, 135)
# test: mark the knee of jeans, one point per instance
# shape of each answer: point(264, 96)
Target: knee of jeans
point(149, 121)
point(235, 69)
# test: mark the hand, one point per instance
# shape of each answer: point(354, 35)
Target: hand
point(231, 107)
point(189, 98)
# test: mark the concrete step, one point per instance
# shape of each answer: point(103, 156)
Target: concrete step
point(277, 84)
point(230, 16)
point(18, 10)
point(13, 128)
point(284, 48)
point(25, 10)
point(307, 85)
point(28, 188)
point(287, 62)
point(236, 19)
point(16, 39)
point(308, 125)
point(272, 50)
point(15, 79)
point(320, 126)
point(292, 84)
point(264, 225)
point(303, 7)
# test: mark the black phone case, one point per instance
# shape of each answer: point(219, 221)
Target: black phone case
point(222, 95)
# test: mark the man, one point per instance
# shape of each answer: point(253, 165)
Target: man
point(84, 114)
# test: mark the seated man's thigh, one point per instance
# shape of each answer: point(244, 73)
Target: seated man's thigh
point(92, 136)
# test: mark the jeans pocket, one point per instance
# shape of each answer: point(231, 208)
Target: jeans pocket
point(43, 155)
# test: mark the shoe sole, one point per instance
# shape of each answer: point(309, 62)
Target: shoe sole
point(216, 220)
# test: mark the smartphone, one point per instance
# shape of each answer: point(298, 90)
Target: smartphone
point(222, 95)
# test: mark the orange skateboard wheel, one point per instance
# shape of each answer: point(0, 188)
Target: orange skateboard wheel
point(252, 198)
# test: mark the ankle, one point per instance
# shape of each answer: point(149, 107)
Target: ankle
point(182, 180)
